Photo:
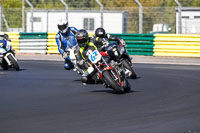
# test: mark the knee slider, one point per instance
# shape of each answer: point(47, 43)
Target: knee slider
point(67, 67)
point(84, 79)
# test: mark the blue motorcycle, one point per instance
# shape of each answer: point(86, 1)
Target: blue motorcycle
point(7, 56)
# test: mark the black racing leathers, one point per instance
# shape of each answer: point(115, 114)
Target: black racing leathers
point(101, 43)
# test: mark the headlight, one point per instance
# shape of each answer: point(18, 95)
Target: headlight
point(114, 49)
point(116, 53)
point(122, 50)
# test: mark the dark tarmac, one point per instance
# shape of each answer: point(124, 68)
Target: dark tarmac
point(45, 98)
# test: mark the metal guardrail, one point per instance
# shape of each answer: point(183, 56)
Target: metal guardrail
point(185, 45)
point(14, 36)
point(33, 46)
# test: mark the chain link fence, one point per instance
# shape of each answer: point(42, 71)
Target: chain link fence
point(13, 20)
point(151, 15)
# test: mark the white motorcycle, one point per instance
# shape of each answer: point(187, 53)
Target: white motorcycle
point(71, 52)
point(7, 57)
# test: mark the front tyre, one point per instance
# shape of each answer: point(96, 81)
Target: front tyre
point(4, 64)
point(126, 86)
point(127, 65)
point(13, 62)
point(107, 76)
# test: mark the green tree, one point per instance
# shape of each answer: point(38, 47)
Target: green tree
point(11, 3)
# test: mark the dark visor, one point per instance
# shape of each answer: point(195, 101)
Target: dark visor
point(62, 27)
point(82, 40)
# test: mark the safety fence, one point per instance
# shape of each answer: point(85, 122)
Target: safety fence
point(185, 45)
point(52, 47)
point(14, 36)
point(177, 45)
point(138, 44)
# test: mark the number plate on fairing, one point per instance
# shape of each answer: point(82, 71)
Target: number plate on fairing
point(95, 56)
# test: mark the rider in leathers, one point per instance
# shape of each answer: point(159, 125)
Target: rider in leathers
point(86, 45)
point(3, 43)
point(65, 38)
point(101, 40)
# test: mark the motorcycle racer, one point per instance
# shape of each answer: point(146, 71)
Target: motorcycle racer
point(116, 51)
point(65, 38)
point(3, 42)
point(85, 43)
point(101, 39)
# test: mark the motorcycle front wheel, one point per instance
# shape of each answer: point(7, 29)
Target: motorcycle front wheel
point(4, 64)
point(127, 86)
point(109, 79)
point(13, 62)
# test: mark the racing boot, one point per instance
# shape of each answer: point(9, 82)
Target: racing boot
point(68, 64)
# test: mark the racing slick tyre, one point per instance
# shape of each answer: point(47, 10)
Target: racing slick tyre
point(127, 65)
point(13, 62)
point(4, 64)
point(126, 86)
point(107, 76)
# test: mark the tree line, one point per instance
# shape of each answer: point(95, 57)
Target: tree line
point(93, 4)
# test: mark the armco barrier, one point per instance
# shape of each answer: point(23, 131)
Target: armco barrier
point(52, 47)
point(35, 42)
point(14, 36)
point(33, 46)
point(138, 44)
point(33, 35)
point(185, 45)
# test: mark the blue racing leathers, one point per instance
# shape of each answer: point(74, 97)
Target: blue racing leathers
point(3, 44)
point(65, 41)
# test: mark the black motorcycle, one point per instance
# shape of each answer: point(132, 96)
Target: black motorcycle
point(119, 53)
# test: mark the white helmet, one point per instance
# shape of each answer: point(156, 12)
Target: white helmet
point(1, 33)
point(63, 25)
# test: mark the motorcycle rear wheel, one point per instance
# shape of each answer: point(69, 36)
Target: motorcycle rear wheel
point(107, 76)
point(126, 64)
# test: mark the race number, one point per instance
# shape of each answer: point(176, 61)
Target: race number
point(95, 56)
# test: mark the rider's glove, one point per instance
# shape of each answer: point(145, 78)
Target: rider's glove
point(105, 43)
point(65, 54)
point(101, 48)
point(122, 42)
point(81, 62)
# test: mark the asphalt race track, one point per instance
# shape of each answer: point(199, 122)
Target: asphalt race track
point(44, 98)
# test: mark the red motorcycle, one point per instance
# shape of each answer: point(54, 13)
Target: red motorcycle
point(108, 71)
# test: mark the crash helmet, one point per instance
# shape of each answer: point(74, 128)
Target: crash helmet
point(82, 37)
point(63, 25)
point(100, 32)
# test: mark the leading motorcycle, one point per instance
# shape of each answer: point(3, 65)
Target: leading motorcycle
point(108, 71)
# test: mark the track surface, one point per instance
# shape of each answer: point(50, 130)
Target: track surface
point(45, 98)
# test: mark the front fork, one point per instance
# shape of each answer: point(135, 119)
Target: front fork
point(7, 60)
